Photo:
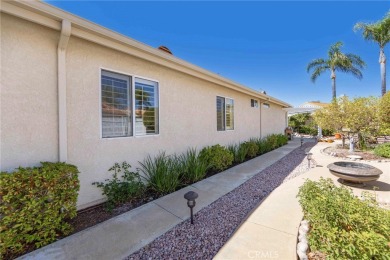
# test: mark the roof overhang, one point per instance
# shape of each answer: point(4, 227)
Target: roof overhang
point(50, 16)
point(299, 110)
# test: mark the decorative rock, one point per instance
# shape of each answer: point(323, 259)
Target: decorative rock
point(301, 246)
point(304, 240)
point(354, 157)
point(301, 250)
point(216, 223)
point(304, 222)
point(303, 229)
point(301, 255)
point(301, 237)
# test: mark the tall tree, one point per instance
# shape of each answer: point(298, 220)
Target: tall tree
point(378, 32)
point(337, 61)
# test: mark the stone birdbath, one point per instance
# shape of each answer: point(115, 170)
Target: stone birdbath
point(354, 174)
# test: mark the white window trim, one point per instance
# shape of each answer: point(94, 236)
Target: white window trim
point(234, 118)
point(133, 76)
point(257, 103)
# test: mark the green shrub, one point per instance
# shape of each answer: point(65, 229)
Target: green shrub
point(193, 168)
point(251, 147)
point(282, 140)
point(218, 157)
point(233, 150)
point(242, 153)
point(121, 190)
point(272, 141)
point(310, 130)
point(161, 173)
point(34, 203)
point(327, 132)
point(341, 225)
point(262, 144)
point(239, 152)
point(383, 150)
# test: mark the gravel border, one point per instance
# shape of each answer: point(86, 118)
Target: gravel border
point(216, 223)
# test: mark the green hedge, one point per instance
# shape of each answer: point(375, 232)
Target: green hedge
point(34, 203)
point(218, 157)
point(164, 173)
point(383, 150)
point(341, 225)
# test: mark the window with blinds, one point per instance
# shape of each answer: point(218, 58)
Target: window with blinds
point(220, 114)
point(229, 113)
point(225, 114)
point(116, 112)
point(146, 107)
point(121, 95)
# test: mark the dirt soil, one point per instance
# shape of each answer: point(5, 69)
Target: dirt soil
point(343, 153)
point(94, 215)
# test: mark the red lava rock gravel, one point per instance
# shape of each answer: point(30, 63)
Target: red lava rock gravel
point(215, 223)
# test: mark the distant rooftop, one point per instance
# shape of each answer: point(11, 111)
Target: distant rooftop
point(307, 107)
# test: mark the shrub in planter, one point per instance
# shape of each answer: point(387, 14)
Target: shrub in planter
point(193, 168)
point(119, 190)
point(342, 226)
point(34, 204)
point(242, 152)
point(282, 140)
point(161, 173)
point(251, 147)
point(233, 149)
point(262, 144)
point(218, 157)
point(383, 150)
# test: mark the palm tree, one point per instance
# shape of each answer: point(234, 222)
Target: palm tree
point(378, 32)
point(337, 61)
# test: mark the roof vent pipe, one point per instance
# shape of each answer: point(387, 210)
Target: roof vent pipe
point(165, 49)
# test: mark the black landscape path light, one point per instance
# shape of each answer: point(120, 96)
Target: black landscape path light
point(309, 158)
point(190, 197)
point(301, 140)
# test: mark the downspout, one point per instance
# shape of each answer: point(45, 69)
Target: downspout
point(61, 58)
point(261, 118)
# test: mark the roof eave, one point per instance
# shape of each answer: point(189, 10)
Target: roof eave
point(50, 16)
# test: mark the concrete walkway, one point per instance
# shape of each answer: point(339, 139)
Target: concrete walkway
point(121, 236)
point(270, 232)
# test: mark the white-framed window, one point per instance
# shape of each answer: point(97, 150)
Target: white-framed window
point(254, 103)
point(266, 105)
point(225, 114)
point(146, 107)
point(120, 96)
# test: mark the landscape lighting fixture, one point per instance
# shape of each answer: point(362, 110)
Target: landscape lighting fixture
point(190, 197)
point(301, 140)
point(309, 158)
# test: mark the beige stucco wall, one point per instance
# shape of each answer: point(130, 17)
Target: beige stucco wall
point(187, 114)
point(273, 120)
point(187, 107)
point(28, 94)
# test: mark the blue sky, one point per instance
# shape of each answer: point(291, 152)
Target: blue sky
point(263, 45)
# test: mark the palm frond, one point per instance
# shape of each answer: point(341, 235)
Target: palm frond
point(317, 72)
point(378, 32)
point(316, 63)
point(335, 49)
point(356, 60)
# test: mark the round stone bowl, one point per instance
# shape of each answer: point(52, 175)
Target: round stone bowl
point(353, 172)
